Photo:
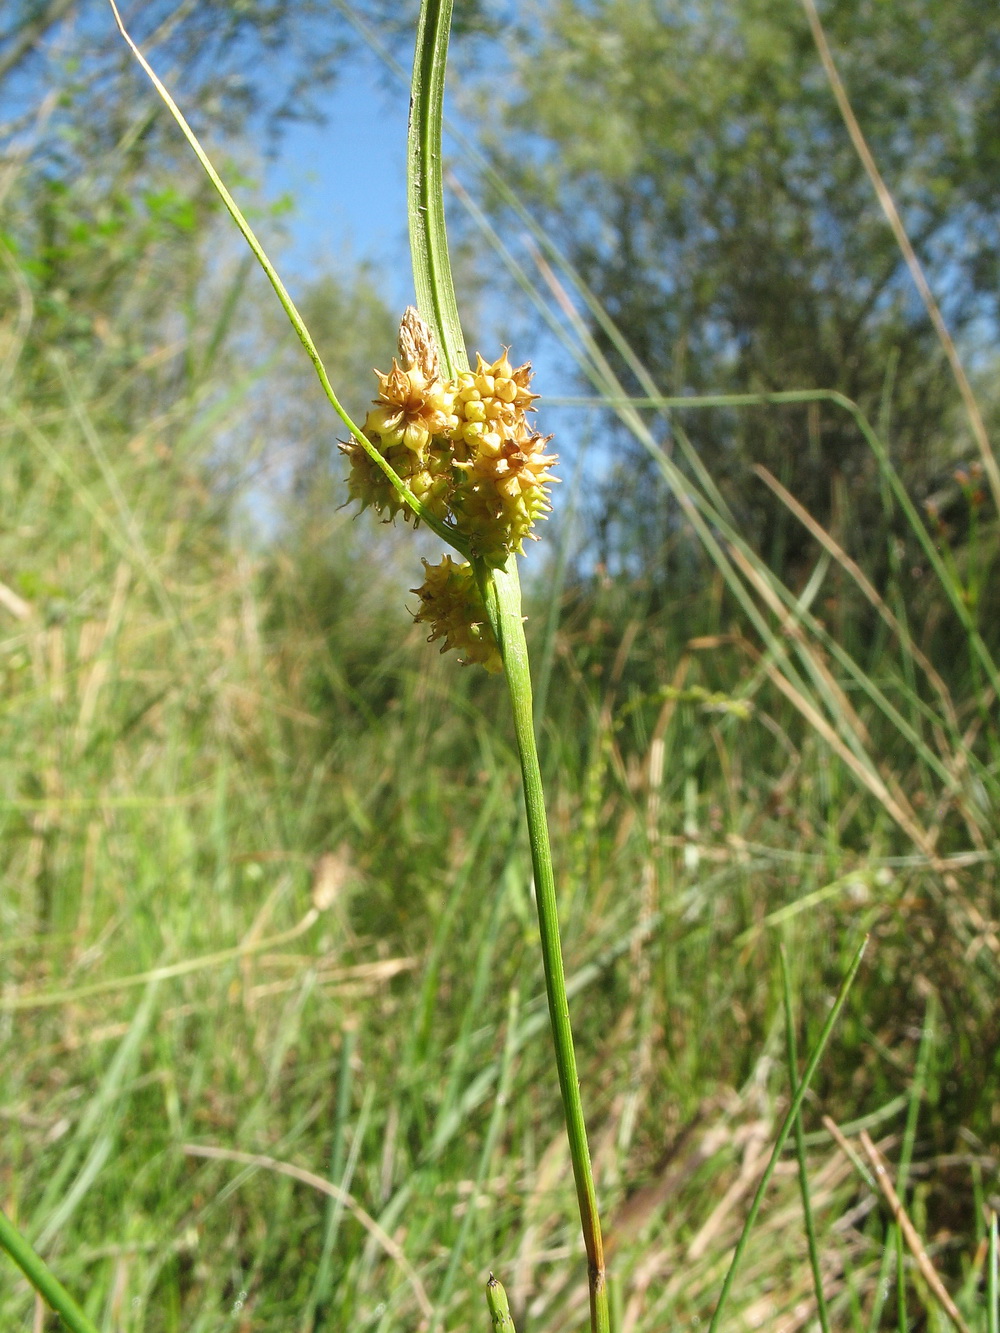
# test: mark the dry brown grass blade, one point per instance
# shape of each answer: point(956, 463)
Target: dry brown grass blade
point(895, 805)
point(909, 254)
point(335, 1192)
point(910, 1234)
point(903, 817)
point(791, 628)
point(861, 579)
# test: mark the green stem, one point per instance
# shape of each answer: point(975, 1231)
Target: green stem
point(502, 594)
point(800, 1150)
point(43, 1279)
point(786, 1127)
point(432, 276)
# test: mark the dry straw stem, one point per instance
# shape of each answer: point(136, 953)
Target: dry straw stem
point(861, 579)
point(910, 1234)
point(903, 241)
point(391, 1248)
point(46, 999)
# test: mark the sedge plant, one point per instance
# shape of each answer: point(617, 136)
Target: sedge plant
point(454, 448)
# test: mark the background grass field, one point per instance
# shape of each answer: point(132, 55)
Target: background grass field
point(265, 887)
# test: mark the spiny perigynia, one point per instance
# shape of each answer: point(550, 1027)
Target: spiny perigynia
point(467, 451)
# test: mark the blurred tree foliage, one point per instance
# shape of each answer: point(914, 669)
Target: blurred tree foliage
point(691, 162)
point(116, 261)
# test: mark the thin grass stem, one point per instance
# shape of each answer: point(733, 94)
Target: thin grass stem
point(503, 599)
point(800, 1150)
point(502, 596)
point(783, 1133)
point(43, 1279)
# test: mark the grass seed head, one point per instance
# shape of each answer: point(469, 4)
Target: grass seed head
point(467, 450)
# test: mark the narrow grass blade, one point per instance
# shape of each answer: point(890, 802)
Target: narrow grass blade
point(901, 1320)
point(287, 304)
point(800, 1150)
point(432, 277)
point(786, 1127)
point(43, 1279)
point(390, 1246)
point(48, 999)
point(882, 1285)
point(98, 1126)
point(486, 1157)
point(910, 1234)
point(916, 1095)
point(888, 206)
point(992, 1285)
point(334, 1207)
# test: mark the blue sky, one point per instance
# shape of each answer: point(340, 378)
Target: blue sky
point(348, 181)
point(347, 178)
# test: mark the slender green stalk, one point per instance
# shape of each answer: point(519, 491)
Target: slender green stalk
point(786, 1127)
point(503, 599)
point(902, 1323)
point(992, 1298)
point(882, 1285)
point(800, 1151)
point(43, 1279)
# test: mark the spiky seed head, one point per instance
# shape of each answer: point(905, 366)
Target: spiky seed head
point(466, 450)
point(452, 606)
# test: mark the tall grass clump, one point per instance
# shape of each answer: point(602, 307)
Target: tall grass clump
point(272, 987)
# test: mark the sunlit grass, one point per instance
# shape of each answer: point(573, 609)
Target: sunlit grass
point(266, 894)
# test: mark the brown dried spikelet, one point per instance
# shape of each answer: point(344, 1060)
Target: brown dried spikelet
point(453, 607)
point(417, 345)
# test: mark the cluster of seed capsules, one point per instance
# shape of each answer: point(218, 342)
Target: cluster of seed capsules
point(467, 451)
